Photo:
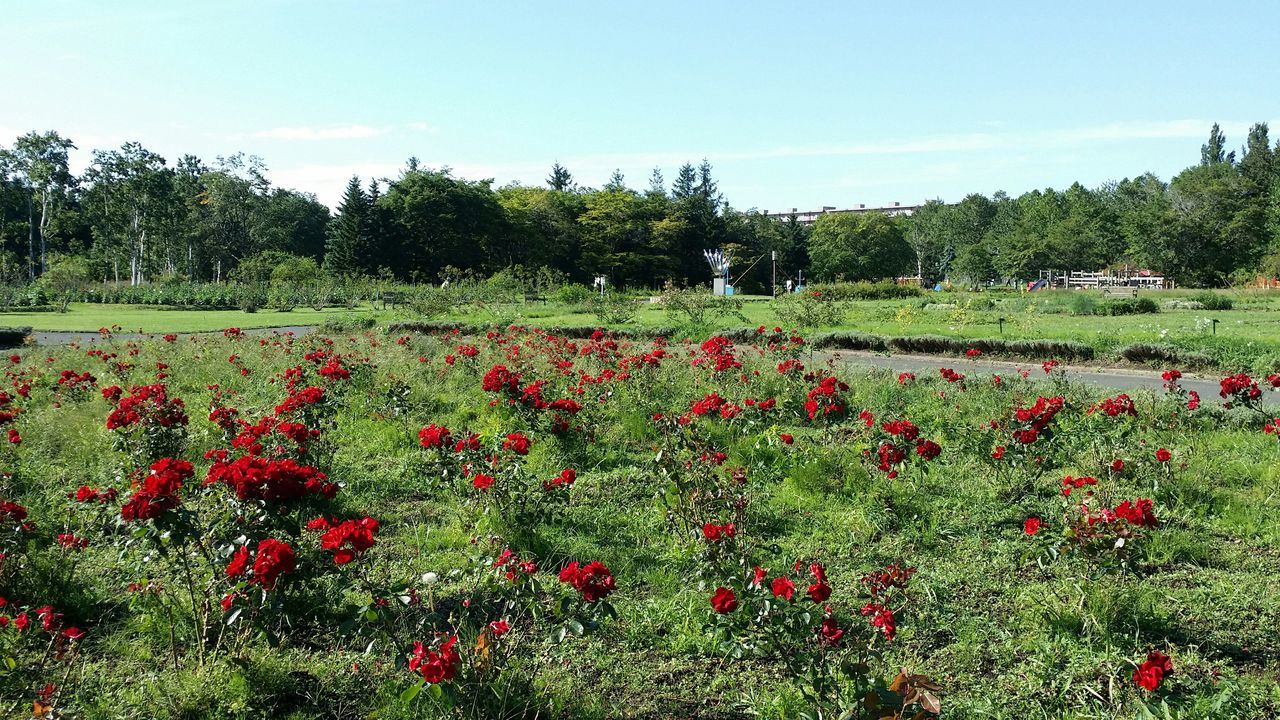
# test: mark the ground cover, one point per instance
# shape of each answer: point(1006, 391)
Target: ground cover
point(90, 317)
point(519, 524)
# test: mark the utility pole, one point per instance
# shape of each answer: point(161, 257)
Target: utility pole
point(775, 274)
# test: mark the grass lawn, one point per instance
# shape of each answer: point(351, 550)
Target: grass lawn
point(89, 317)
point(185, 613)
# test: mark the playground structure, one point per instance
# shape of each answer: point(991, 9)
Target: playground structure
point(1112, 278)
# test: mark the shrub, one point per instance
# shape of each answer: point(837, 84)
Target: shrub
point(1134, 306)
point(1164, 355)
point(866, 290)
point(1084, 304)
point(251, 298)
point(1213, 301)
point(849, 341)
point(808, 310)
point(612, 308)
point(573, 294)
point(938, 344)
point(697, 306)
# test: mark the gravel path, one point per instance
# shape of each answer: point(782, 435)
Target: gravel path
point(1110, 378)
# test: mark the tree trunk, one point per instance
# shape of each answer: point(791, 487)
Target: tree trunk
point(31, 237)
point(44, 225)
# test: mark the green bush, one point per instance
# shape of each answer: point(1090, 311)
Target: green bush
point(698, 307)
point(865, 290)
point(1040, 349)
point(1084, 304)
point(851, 340)
point(572, 294)
point(1164, 355)
point(251, 298)
point(804, 310)
point(1213, 301)
point(1129, 306)
point(612, 308)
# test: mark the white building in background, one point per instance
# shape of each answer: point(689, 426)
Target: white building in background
point(809, 217)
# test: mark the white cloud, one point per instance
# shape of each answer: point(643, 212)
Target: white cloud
point(346, 132)
point(421, 127)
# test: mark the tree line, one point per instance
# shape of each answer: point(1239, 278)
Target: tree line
point(133, 218)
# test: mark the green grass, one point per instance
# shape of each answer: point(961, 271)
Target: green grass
point(89, 317)
point(1008, 632)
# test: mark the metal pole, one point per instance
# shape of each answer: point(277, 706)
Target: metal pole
point(775, 274)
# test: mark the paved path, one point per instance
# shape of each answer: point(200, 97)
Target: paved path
point(1110, 378)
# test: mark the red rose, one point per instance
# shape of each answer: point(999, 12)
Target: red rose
point(1152, 671)
point(1031, 525)
point(1163, 455)
point(783, 587)
point(724, 601)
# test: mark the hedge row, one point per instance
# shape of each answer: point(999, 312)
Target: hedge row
point(1165, 355)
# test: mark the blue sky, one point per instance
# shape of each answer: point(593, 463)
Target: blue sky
point(795, 104)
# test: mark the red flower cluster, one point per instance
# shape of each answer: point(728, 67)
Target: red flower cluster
point(517, 443)
point(436, 666)
point(272, 559)
point(434, 436)
point(1152, 672)
point(566, 478)
point(717, 354)
point(147, 405)
point(357, 534)
point(950, 375)
point(158, 491)
point(1112, 407)
point(513, 567)
point(1070, 483)
point(880, 585)
point(74, 381)
point(593, 580)
point(256, 478)
point(1239, 388)
point(714, 533)
point(86, 494)
point(826, 400)
point(1035, 420)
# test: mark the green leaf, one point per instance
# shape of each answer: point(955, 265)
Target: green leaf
point(411, 692)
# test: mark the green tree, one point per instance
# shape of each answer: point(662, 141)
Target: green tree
point(444, 221)
point(40, 162)
point(858, 246)
point(350, 243)
point(1215, 152)
point(560, 179)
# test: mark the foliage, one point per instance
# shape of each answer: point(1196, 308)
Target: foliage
point(696, 306)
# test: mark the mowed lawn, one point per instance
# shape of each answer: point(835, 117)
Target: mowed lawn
point(90, 317)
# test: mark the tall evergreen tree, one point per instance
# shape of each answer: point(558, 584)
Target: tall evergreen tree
point(1215, 152)
point(657, 185)
point(349, 244)
point(1258, 163)
point(560, 179)
point(616, 182)
point(686, 182)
